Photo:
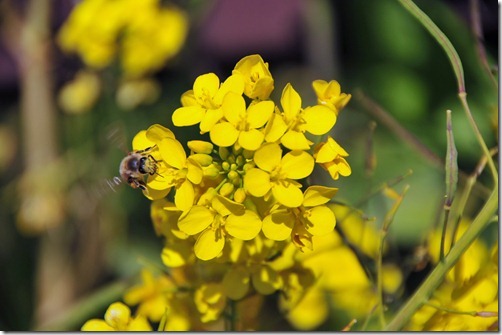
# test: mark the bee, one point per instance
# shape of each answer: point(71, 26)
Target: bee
point(136, 165)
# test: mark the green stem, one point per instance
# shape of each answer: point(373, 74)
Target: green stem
point(75, 316)
point(463, 98)
point(437, 275)
point(440, 38)
point(389, 218)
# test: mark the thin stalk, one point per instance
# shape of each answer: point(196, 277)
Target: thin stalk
point(440, 38)
point(435, 278)
point(452, 54)
point(463, 98)
point(451, 169)
point(389, 218)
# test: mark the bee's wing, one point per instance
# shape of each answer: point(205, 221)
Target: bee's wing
point(116, 135)
point(103, 187)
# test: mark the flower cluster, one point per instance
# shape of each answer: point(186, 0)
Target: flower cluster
point(142, 35)
point(237, 211)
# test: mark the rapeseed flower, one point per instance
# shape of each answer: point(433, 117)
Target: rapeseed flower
point(276, 174)
point(330, 95)
point(290, 125)
point(257, 77)
point(237, 213)
point(203, 104)
point(118, 318)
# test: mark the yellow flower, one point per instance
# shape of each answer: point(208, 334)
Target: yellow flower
point(203, 103)
point(210, 301)
point(241, 125)
point(312, 218)
point(152, 36)
point(265, 280)
point(291, 125)
point(151, 295)
point(470, 287)
point(330, 95)
point(118, 318)
point(276, 174)
point(213, 219)
point(258, 79)
point(80, 94)
point(330, 155)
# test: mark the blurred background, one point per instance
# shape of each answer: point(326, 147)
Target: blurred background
point(75, 89)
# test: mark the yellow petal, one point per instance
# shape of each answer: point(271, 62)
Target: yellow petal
point(289, 196)
point(258, 114)
point(205, 86)
point(291, 102)
point(225, 206)
point(234, 83)
point(184, 197)
point(156, 133)
point(195, 172)
point(323, 220)
point(320, 119)
point(297, 164)
point(96, 325)
point(118, 315)
point(295, 140)
point(256, 182)
point(236, 283)
point(172, 153)
point(196, 220)
point(251, 140)
point(200, 147)
point(188, 116)
point(172, 257)
point(268, 157)
point(140, 141)
point(319, 87)
point(139, 323)
point(224, 134)
point(318, 195)
point(234, 108)
point(209, 245)
point(154, 194)
point(277, 226)
point(245, 226)
point(276, 127)
point(188, 99)
point(211, 117)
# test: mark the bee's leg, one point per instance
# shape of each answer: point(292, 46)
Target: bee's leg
point(146, 149)
point(135, 183)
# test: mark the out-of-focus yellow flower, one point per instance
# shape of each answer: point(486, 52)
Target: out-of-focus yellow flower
point(290, 125)
point(203, 103)
point(358, 231)
point(277, 174)
point(330, 155)
point(263, 278)
point(80, 94)
point(257, 77)
point(118, 318)
point(143, 33)
point(210, 301)
point(151, 295)
point(133, 92)
point(330, 95)
point(467, 300)
point(242, 124)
